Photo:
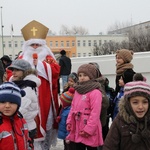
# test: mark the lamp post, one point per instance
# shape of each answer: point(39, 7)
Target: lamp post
point(2, 31)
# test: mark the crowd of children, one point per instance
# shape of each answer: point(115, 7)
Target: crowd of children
point(87, 103)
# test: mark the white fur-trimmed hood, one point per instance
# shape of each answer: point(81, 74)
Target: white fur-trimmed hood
point(33, 78)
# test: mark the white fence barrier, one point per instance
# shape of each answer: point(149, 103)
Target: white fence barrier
point(141, 62)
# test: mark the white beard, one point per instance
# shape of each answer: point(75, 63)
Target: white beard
point(41, 51)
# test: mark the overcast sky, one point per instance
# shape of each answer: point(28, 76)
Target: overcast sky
point(94, 15)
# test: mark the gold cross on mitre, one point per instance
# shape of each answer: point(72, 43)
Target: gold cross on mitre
point(34, 30)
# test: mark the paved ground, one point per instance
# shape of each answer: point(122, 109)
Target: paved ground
point(59, 145)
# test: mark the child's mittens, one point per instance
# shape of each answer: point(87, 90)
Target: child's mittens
point(68, 127)
point(58, 119)
point(67, 141)
point(84, 134)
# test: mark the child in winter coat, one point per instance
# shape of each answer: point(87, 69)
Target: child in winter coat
point(124, 67)
point(13, 128)
point(130, 129)
point(66, 99)
point(25, 77)
point(72, 79)
point(83, 123)
point(118, 97)
point(105, 101)
point(110, 92)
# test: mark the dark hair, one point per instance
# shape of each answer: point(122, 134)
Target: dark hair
point(62, 52)
point(138, 77)
point(6, 58)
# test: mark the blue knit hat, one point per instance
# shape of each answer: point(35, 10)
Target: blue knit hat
point(10, 92)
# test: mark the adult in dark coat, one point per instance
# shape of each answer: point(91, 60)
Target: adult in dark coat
point(65, 64)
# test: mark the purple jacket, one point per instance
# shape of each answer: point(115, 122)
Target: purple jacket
point(84, 116)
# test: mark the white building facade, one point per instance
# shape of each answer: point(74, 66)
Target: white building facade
point(84, 44)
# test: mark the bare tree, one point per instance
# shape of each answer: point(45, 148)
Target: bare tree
point(50, 32)
point(139, 36)
point(119, 25)
point(75, 30)
point(140, 42)
point(109, 47)
point(65, 30)
point(82, 31)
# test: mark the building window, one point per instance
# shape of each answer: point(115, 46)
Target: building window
point(56, 43)
point(84, 43)
point(62, 43)
point(95, 43)
point(67, 44)
point(10, 56)
point(73, 55)
point(79, 54)
point(21, 43)
point(105, 41)
point(78, 43)
point(4, 45)
point(89, 42)
point(100, 42)
point(73, 43)
point(16, 44)
point(51, 43)
point(89, 54)
point(84, 54)
point(9, 44)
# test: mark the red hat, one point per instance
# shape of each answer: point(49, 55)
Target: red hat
point(66, 98)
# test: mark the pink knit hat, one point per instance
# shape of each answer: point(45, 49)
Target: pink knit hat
point(137, 88)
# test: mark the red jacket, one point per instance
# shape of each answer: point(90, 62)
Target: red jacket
point(13, 133)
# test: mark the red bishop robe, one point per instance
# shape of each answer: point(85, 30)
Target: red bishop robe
point(48, 95)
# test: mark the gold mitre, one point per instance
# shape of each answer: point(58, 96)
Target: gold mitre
point(34, 30)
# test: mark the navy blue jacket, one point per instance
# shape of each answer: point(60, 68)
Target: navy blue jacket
point(62, 132)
